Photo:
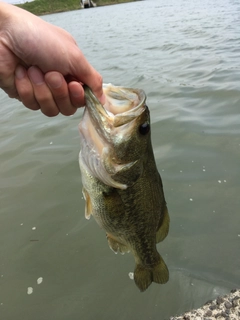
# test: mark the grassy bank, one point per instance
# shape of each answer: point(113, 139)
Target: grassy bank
point(40, 7)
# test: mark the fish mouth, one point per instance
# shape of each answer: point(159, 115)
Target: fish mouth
point(121, 107)
point(103, 126)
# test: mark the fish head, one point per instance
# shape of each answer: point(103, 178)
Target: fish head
point(115, 136)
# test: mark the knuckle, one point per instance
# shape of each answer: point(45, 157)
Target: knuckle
point(68, 111)
point(7, 85)
point(60, 96)
point(31, 105)
point(50, 112)
point(44, 100)
point(10, 91)
point(25, 92)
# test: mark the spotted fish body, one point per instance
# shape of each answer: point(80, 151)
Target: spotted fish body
point(121, 185)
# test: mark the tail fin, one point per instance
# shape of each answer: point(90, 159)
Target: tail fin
point(144, 276)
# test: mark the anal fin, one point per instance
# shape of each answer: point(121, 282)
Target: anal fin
point(164, 227)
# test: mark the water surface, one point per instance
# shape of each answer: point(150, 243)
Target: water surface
point(185, 55)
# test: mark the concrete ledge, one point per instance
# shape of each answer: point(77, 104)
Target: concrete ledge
point(223, 308)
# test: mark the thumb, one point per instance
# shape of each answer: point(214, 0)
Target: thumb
point(85, 73)
point(95, 81)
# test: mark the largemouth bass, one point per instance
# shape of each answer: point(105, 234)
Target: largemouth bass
point(121, 185)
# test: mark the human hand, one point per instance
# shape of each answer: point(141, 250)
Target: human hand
point(41, 65)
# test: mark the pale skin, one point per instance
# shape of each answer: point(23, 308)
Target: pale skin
point(41, 64)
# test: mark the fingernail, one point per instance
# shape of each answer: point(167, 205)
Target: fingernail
point(20, 72)
point(54, 80)
point(35, 75)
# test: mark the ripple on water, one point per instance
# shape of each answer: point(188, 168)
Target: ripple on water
point(185, 55)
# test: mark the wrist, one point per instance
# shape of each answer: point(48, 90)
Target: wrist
point(5, 13)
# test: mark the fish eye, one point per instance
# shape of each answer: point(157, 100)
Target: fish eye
point(144, 128)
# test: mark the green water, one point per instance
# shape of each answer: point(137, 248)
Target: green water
point(54, 264)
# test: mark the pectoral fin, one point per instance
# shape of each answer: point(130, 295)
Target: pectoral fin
point(88, 204)
point(164, 226)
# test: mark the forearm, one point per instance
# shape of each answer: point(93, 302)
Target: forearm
point(10, 22)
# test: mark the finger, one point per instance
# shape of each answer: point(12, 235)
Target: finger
point(7, 81)
point(42, 92)
point(59, 90)
point(85, 73)
point(76, 93)
point(94, 81)
point(25, 89)
point(10, 89)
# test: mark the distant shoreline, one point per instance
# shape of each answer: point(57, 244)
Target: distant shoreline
point(44, 7)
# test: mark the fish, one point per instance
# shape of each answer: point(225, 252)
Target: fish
point(122, 187)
